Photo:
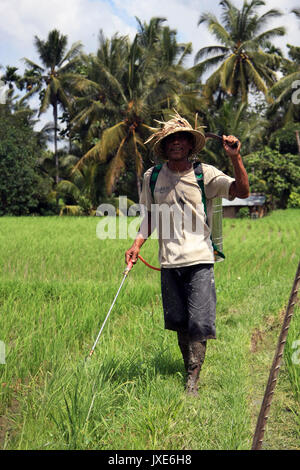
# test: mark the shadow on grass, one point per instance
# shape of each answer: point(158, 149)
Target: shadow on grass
point(136, 369)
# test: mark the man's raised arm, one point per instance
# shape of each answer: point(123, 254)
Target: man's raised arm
point(240, 187)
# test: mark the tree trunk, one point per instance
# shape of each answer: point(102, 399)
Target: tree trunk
point(139, 187)
point(55, 142)
point(298, 141)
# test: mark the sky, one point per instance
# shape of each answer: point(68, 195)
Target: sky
point(81, 20)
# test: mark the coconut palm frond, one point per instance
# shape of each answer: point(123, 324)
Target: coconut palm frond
point(268, 35)
point(32, 64)
point(32, 92)
point(244, 86)
point(227, 70)
point(139, 141)
point(68, 161)
point(46, 100)
point(210, 154)
point(208, 50)
point(116, 166)
point(187, 49)
point(93, 153)
point(73, 52)
point(205, 65)
point(283, 97)
point(285, 83)
point(259, 83)
point(111, 81)
point(63, 98)
point(207, 18)
point(238, 115)
point(266, 17)
point(212, 83)
point(85, 85)
point(68, 187)
point(240, 31)
point(71, 210)
point(112, 138)
point(83, 116)
point(138, 157)
point(55, 85)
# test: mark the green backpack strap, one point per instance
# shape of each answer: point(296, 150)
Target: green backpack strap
point(153, 178)
point(199, 177)
point(200, 180)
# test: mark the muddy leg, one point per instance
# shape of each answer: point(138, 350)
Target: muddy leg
point(196, 357)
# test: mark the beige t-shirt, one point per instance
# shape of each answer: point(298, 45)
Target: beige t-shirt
point(178, 213)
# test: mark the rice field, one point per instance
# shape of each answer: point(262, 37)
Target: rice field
point(57, 282)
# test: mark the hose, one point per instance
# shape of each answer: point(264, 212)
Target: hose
point(147, 264)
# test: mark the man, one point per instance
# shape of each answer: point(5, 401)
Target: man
point(187, 255)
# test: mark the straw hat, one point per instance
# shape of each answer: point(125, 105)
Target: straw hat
point(176, 124)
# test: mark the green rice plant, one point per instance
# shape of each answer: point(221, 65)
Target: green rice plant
point(57, 282)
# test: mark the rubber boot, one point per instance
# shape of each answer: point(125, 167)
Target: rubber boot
point(197, 351)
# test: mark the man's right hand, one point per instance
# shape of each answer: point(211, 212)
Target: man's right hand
point(132, 254)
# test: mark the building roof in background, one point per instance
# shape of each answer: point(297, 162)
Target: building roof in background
point(252, 200)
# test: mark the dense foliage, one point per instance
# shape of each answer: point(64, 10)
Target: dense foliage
point(275, 174)
point(105, 105)
point(21, 188)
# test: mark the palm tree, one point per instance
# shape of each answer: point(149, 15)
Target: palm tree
point(169, 55)
point(50, 78)
point(241, 58)
point(11, 77)
point(233, 118)
point(283, 90)
point(134, 81)
point(98, 90)
point(78, 191)
point(120, 94)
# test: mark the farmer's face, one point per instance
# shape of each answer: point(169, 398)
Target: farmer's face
point(178, 146)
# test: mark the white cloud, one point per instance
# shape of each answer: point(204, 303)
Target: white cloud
point(183, 15)
point(80, 20)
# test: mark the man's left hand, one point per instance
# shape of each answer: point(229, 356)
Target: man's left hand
point(228, 140)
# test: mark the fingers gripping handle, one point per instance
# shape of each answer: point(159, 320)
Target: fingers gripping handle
point(221, 140)
point(128, 267)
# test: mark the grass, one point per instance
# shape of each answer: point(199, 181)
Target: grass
point(57, 282)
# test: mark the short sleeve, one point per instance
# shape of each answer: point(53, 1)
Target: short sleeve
point(216, 183)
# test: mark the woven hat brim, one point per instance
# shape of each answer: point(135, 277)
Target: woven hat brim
point(199, 141)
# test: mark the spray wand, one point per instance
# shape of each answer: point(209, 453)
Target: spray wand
point(126, 272)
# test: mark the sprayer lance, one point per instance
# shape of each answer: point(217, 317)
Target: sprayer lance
point(127, 269)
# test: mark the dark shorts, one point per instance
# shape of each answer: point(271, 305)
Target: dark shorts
point(189, 300)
